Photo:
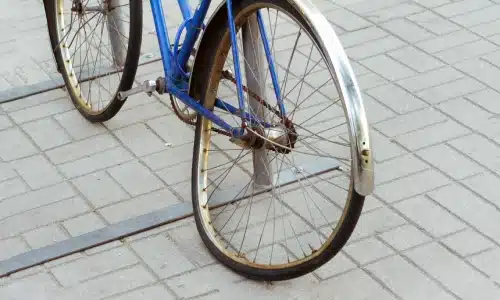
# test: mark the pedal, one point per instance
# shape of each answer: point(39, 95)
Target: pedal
point(149, 86)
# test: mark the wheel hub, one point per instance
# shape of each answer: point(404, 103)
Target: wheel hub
point(280, 138)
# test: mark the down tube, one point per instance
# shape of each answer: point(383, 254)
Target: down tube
point(161, 32)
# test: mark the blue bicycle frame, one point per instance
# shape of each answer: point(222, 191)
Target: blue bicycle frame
point(175, 59)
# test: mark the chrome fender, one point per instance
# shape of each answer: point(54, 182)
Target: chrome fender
point(336, 58)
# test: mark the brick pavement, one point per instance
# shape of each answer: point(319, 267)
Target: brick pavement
point(429, 72)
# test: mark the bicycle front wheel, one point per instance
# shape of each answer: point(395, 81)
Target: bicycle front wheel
point(98, 49)
point(266, 209)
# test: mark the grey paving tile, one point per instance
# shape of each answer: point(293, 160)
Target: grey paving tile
point(466, 51)
point(77, 126)
point(46, 133)
point(467, 242)
point(391, 149)
point(340, 263)
point(486, 29)
point(140, 139)
point(83, 224)
point(488, 263)
point(169, 157)
point(406, 280)
point(376, 221)
point(41, 111)
point(430, 79)
point(387, 67)
point(164, 127)
point(6, 172)
point(446, 41)
point(12, 187)
point(461, 7)
point(396, 98)
point(135, 178)
point(407, 30)
point(429, 216)
point(412, 185)
point(434, 22)
point(157, 291)
point(485, 185)
point(411, 121)
point(416, 59)
point(450, 161)
point(40, 285)
point(136, 115)
point(188, 240)
point(486, 99)
point(452, 272)
point(19, 145)
point(374, 47)
point(480, 70)
point(478, 16)
point(5, 122)
point(37, 171)
point(346, 20)
point(70, 274)
point(11, 247)
point(44, 236)
point(147, 203)
point(450, 90)
point(404, 237)
point(470, 208)
point(399, 167)
point(366, 7)
point(166, 263)
point(368, 250)
point(100, 189)
point(478, 147)
point(393, 12)
point(353, 38)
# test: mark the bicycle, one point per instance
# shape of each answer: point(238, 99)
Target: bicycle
point(261, 136)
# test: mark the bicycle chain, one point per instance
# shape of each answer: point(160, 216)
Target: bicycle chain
point(228, 76)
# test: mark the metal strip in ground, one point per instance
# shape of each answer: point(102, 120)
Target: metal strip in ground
point(140, 224)
point(21, 92)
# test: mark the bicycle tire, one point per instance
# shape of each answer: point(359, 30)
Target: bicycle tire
point(129, 69)
point(215, 35)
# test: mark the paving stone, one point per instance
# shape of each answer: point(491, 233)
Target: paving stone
point(71, 273)
point(453, 273)
point(406, 280)
point(464, 111)
point(339, 264)
point(84, 224)
point(202, 281)
point(411, 185)
point(432, 135)
point(488, 263)
point(450, 161)
point(461, 7)
point(470, 208)
point(100, 189)
point(478, 16)
point(407, 30)
point(486, 29)
point(140, 139)
point(479, 149)
point(42, 286)
point(399, 167)
point(430, 79)
point(467, 242)
point(171, 130)
point(37, 171)
point(391, 149)
point(12, 247)
point(12, 187)
point(41, 111)
point(394, 12)
point(81, 149)
point(375, 111)
point(135, 178)
point(157, 291)
point(409, 122)
point(95, 162)
point(144, 204)
point(136, 115)
point(388, 67)
point(370, 80)
point(376, 221)
point(396, 98)
point(44, 236)
point(177, 173)
point(485, 185)
point(429, 216)
point(466, 51)
point(189, 242)
point(112, 284)
point(346, 20)
point(168, 262)
point(480, 70)
point(368, 250)
point(169, 157)
point(34, 199)
point(433, 22)
point(5, 122)
point(486, 99)
point(33, 100)
point(46, 133)
point(77, 126)
point(447, 41)
point(450, 90)
point(361, 36)
point(404, 237)
point(17, 146)
point(346, 286)
point(374, 47)
point(366, 8)
point(42, 216)
point(416, 59)
point(6, 172)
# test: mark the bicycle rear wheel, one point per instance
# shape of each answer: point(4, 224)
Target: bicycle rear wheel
point(282, 228)
point(98, 49)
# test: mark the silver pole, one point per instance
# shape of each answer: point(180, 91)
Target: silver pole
point(118, 34)
point(255, 76)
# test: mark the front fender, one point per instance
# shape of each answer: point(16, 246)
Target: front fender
point(362, 165)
